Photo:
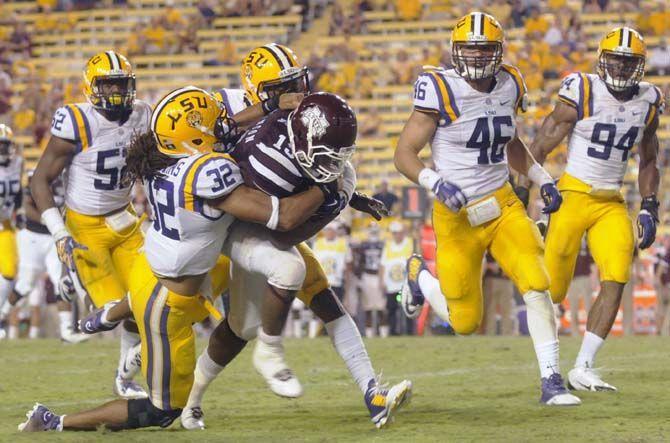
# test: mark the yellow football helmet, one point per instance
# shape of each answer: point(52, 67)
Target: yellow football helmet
point(477, 46)
point(109, 82)
point(621, 57)
point(270, 70)
point(189, 121)
point(7, 150)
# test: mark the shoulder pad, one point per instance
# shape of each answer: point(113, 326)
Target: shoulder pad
point(212, 176)
point(433, 93)
point(71, 123)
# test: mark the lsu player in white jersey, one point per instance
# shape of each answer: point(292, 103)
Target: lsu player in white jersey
point(37, 256)
point(100, 236)
point(11, 169)
point(195, 194)
point(468, 115)
point(604, 115)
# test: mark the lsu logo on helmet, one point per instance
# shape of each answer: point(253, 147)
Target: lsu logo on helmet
point(270, 70)
point(189, 121)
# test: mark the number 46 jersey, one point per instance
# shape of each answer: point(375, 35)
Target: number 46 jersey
point(468, 146)
point(93, 178)
point(607, 129)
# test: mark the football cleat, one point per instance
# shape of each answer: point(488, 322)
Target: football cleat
point(383, 402)
point(72, 337)
point(40, 418)
point(128, 389)
point(587, 379)
point(95, 321)
point(270, 363)
point(192, 418)
point(132, 364)
point(554, 392)
point(412, 298)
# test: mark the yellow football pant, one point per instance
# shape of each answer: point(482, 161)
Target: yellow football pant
point(609, 233)
point(9, 256)
point(513, 240)
point(104, 267)
point(165, 322)
point(315, 277)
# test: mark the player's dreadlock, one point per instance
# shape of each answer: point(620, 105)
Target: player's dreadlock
point(144, 160)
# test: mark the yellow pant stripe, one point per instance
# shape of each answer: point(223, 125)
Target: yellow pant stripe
point(158, 346)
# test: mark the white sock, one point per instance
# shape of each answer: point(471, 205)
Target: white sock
point(349, 345)
point(5, 289)
point(273, 341)
point(313, 328)
point(206, 370)
point(13, 332)
point(542, 329)
point(128, 341)
point(384, 331)
point(591, 343)
point(34, 332)
point(430, 286)
point(65, 322)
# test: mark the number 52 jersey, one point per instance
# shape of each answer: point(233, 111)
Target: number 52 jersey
point(94, 184)
point(468, 146)
point(607, 129)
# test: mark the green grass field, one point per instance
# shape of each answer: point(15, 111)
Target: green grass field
point(465, 389)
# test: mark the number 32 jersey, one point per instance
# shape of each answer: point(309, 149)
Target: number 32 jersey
point(607, 129)
point(94, 177)
point(187, 233)
point(468, 146)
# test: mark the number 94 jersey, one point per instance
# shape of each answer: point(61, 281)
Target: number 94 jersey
point(607, 129)
point(468, 146)
point(94, 184)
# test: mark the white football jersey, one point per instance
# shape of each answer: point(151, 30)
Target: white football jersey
point(607, 129)
point(333, 256)
point(234, 100)
point(10, 187)
point(468, 146)
point(94, 184)
point(187, 233)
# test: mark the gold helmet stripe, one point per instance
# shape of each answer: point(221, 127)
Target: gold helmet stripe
point(624, 37)
point(281, 58)
point(113, 60)
point(477, 23)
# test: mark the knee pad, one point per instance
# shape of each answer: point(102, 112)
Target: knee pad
point(142, 414)
point(464, 323)
point(288, 272)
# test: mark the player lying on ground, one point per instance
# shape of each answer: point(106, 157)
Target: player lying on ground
point(468, 115)
point(605, 115)
point(195, 196)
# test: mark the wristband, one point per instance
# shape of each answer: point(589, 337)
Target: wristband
point(274, 217)
point(538, 175)
point(428, 178)
point(270, 104)
point(54, 222)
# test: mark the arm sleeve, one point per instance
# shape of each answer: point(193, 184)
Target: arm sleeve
point(63, 125)
point(216, 176)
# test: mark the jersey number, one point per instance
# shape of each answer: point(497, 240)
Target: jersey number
point(222, 178)
point(625, 143)
point(163, 209)
point(420, 90)
point(8, 190)
point(114, 176)
point(481, 139)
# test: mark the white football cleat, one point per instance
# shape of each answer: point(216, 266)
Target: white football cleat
point(269, 361)
point(132, 363)
point(192, 418)
point(73, 337)
point(587, 379)
point(128, 389)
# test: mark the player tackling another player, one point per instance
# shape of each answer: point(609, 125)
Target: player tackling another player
point(605, 115)
point(468, 115)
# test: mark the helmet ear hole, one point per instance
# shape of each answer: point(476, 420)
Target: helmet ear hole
point(197, 141)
